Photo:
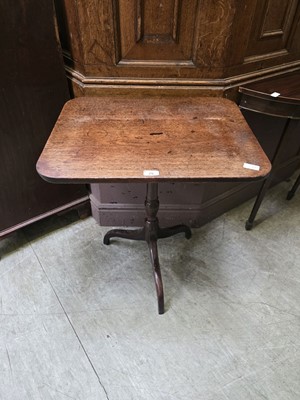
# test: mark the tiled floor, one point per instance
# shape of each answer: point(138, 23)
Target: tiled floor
point(79, 319)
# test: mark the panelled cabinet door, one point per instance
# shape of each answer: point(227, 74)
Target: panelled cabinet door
point(273, 29)
point(155, 31)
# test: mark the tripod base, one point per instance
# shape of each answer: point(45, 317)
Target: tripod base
point(151, 232)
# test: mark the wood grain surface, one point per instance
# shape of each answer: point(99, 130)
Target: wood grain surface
point(111, 139)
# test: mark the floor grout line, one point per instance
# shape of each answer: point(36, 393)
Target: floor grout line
point(70, 322)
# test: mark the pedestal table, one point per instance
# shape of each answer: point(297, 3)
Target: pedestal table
point(150, 140)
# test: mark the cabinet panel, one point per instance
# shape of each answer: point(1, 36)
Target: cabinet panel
point(155, 31)
point(274, 21)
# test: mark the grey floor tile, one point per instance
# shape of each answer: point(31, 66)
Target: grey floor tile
point(40, 354)
point(88, 275)
point(24, 287)
point(147, 356)
point(41, 358)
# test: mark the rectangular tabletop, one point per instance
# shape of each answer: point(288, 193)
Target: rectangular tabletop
point(111, 139)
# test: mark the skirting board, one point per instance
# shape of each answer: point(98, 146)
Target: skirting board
point(194, 215)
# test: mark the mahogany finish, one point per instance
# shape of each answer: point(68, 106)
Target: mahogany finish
point(150, 140)
point(288, 85)
point(257, 96)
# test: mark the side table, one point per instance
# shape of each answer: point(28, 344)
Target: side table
point(278, 97)
point(150, 140)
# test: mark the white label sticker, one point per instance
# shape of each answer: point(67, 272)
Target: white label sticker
point(151, 172)
point(251, 166)
point(275, 94)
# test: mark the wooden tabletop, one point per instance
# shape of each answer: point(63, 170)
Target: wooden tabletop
point(114, 139)
point(286, 86)
point(278, 96)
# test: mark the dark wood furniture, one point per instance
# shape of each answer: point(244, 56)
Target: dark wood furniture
point(151, 140)
point(277, 98)
point(32, 93)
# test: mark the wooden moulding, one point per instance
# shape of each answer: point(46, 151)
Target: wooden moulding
point(81, 85)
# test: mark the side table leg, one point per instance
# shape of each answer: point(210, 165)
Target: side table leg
point(258, 201)
point(267, 181)
point(133, 234)
point(157, 275)
point(151, 232)
point(173, 230)
point(292, 192)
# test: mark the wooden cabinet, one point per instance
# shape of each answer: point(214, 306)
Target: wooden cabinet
point(204, 46)
point(32, 92)
point(178, 47)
